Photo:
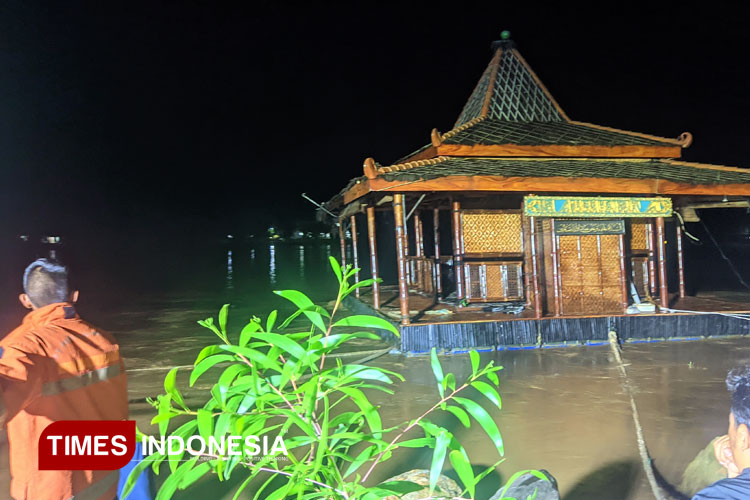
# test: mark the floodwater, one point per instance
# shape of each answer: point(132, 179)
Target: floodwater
point(564, 410)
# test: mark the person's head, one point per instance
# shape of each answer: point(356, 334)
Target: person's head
point(45, 282)
point(738, 383)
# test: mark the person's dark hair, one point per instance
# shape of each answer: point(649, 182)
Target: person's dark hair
point(738, 383)
point(45, 282)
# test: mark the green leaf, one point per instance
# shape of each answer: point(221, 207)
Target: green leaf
point(474, 356)
point(227, 376)
point(135, 473)
point(449, 381)
point(517, 475)
point(206, 352)
point(284, 343)
point(165, 408)
point(336, 268)
point(438, 457)
point(460, 415)
point(255, 356)
point(492, 376)
point(368, 410)
point(247, 332)
point(418, 443)
point(207, 363)
point(366, 321)
point(271, 321)
point(223, 314)
point(437, 370)
point(306, 305)
point(205, 424)
point(488, 391)
point(170, 387)
point(194, 474)
point(484, 419)
point(170, 485)
point(464, 470)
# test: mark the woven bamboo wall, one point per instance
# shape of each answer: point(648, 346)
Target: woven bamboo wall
point(590, 274)
point(638, 235)
point(491, 232)
point(493, 281)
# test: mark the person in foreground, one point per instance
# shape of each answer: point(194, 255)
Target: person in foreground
point(733, 450)
point(54, 367)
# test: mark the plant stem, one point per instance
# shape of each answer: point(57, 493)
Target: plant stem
point(413, 424)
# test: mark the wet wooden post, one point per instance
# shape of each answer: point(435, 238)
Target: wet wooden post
point(343, 242)
point(623, 277)
point(457, 257)
point(436, 236)
point(526, 247)
point(373, 257)
point(409, 277)
point(680, 262)
point(418, 250)
point(663, 296)
point(555, 251)
point(403, 288)
point(534, 268)
point(355, 253)
point(651, 242)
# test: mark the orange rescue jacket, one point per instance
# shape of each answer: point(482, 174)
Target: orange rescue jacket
point(55, 366)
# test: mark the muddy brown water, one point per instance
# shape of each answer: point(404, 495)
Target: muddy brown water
point(564, 409)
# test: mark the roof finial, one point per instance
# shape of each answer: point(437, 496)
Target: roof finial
point(504, 43)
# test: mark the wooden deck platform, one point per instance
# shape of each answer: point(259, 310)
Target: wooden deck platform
point(451, 328)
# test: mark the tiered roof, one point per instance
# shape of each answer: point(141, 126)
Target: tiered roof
point(512, 128)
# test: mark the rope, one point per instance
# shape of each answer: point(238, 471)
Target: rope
point(642, 450)
point(723, 256)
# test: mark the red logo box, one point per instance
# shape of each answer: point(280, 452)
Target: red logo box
point(87, 445)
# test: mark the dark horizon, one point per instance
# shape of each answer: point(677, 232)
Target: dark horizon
point(172, 119)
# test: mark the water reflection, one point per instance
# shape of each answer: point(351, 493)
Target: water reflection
point(252, 254)
point(328, 252)
point(301, 261)
point(272, 264)
point(230, 285)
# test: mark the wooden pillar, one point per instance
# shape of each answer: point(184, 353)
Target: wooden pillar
point(555, 270)
point(651, 242)
point(355, 253)
point(457, 253)
point(403, 288)
point(623, 276)
point(680, 262)
point(342, 239)
point(534, 268)
point(436, 236)
point(418, 250)
point(373, 257)
point(409, 277)
point(663, 296)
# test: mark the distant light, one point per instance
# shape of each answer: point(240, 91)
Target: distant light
point(25, 237)
point(230, 236)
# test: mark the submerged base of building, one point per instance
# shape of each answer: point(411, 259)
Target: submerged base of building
point(529, 333)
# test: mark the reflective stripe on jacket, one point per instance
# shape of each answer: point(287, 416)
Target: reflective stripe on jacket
point(55, 366)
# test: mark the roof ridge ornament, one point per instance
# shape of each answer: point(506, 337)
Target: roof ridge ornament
point(685, 139)
point(371, 170)
point(505, 42)
point(436, 138)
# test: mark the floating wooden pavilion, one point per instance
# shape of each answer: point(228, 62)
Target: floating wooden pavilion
point(557, 226)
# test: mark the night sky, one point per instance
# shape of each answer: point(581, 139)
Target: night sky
point(208, 118)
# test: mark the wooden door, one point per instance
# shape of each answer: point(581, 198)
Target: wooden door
point(590, 277)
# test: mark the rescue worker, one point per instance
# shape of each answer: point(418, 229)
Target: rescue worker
point(53, 367)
